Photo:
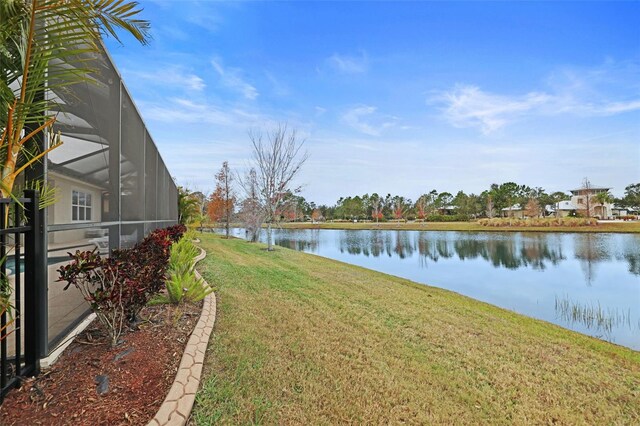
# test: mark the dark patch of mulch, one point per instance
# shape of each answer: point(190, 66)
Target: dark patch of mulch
point(136, 374)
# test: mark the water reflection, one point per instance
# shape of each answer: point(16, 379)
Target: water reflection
point(299, 244)
point(590, 249)
point(634, 262)
point(631, 254)
point(534, 251)
point(511, 251)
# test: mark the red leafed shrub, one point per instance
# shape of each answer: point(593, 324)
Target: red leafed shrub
point(119, 286)
point(104, 285)
point(175, 232)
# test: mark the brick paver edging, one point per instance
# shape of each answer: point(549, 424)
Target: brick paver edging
point(176, 408)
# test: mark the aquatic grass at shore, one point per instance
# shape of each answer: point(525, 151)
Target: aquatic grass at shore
point(593, 316)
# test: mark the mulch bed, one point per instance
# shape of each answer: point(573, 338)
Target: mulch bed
point(135, 375)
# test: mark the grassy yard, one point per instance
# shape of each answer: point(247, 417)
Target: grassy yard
point(616, 227)
point(304, 340)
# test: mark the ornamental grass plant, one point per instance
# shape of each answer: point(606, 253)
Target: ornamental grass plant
point(181, 282)
point(539, 222)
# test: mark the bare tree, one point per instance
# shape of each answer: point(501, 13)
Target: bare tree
point(586, 191)
point(489, 206)
point(376, 210)
point(251, 212)
point(224, 199)
point(277, 159)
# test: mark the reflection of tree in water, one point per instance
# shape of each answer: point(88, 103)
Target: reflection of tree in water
point(631, 254)
point(404, 246)
point(499, 252)
point(308, 241)
point(634, 262)
point(375, 243)
point(300, 245)
point(536, 249)
point(504, 253)
point(591, 249)
point(508, 252)
point(471, 248)
point(433, 248)
point(353, 243)
point(387, 243)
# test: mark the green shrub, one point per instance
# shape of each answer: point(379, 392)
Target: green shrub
point(447, 218)
point(181, 282)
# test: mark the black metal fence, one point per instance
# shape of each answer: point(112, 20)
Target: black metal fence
point(21, 278)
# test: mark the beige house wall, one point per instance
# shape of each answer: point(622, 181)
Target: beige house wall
point(60, 212)
point(597, 209)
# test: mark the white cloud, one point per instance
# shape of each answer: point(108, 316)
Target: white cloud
point(349, 64)
point(355, 117)
point(469, 106)
point(612, 108)
point(181, 110)
point(169, 76)
point(232, 78)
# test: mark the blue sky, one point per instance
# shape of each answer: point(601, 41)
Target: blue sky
point(396, 97)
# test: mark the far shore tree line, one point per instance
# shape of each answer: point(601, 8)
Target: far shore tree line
point(224, 206)
point(444, 206)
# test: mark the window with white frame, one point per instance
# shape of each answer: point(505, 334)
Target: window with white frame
point(80, 206)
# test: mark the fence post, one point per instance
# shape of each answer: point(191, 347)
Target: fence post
point(35, 285)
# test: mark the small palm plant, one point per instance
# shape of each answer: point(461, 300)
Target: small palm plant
point(5, 306)
point(182, 284)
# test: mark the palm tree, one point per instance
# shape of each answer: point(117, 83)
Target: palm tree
point(603, 198)
point(188, 206)
point(48, 42)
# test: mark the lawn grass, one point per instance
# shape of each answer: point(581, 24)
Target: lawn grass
point(612, 227)
point(300, 339)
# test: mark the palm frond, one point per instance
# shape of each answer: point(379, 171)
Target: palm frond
point(52, 44)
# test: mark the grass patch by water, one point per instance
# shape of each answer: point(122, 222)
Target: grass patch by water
point(300, 339)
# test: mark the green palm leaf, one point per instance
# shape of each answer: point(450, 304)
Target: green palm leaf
point(53, 44)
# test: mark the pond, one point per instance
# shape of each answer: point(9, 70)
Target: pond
point(589, 283)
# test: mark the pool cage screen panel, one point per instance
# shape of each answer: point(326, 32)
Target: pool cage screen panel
point(112, 185)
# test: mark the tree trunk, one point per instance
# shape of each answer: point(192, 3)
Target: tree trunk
point(227, 226)
point(269, 245)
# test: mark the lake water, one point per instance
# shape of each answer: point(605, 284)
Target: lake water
point(589, 283)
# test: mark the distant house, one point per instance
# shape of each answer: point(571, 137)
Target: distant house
point(617, 211)
point(563, 209)
point(581, 199)
point(584, 198)
point(515, 211)
point(448, 210)
point(518, 212)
